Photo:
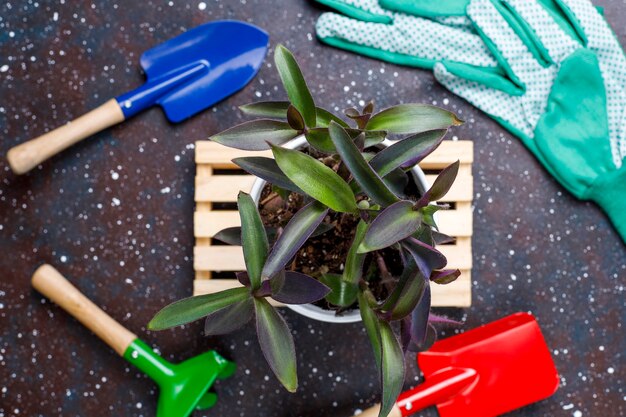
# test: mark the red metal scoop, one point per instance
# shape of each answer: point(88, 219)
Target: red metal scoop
point(485, 372)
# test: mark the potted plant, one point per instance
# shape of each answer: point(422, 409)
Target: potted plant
point(339, 190)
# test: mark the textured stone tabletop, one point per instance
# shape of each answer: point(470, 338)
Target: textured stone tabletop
point(114, 214)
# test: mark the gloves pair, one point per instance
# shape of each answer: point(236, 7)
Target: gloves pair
point(550, 71)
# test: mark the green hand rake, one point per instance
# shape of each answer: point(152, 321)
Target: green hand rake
point(184, 387)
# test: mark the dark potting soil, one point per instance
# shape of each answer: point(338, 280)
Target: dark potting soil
point(326, 253)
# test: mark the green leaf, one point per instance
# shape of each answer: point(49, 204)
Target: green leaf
point(393, 224)
point(445, 276)
point(256, 134)
point(276, 343)
point(392, 368)
point(316, 179)
point(253, 239)
point(273, 109)
point(296, 232)
point(363, 173)
point(407, 152)
point(295, 85)
point(324, 117)
point(354, 260)
point(412, 118)
point(370, 321)
point(342, 293)
point(193, 308)
point(267, 169)
point(278, 109)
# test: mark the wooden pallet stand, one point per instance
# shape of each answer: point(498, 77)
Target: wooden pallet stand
point(218, 181)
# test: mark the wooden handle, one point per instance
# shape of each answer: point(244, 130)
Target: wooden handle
point(28, 155)
point(53, 285)
point(374, 410)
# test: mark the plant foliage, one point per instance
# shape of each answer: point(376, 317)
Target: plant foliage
point(362, 181)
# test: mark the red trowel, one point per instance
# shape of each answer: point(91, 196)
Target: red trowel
point(484, 372)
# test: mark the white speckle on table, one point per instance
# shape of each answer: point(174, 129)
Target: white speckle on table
point(114, 175)
point(138, 405)
point(202, 5)
point(610, 370)
point(568, 406)
point(55, 16)
point(63, 258)
point(115, 201)
point(4, 68)
point(577, 413)
point(165, 190)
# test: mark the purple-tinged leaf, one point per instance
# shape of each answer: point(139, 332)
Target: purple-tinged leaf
point(193, 308)
point(442, 239)
point(441, 186)
point(230, 318)
point(407, 152)
point(397, 181)
point(405, 333)
point(426, 257)
point(265, 290)
point(407, 293)
point(296, 232)
point(360, 119)
point(368, 108)
point(253, 238)
point(433, 318)
point(256, 134)
point(295, 85)
point(412, 118)
point(243, 278)
point(363, 173)
point(431, 338)
point(316, 179)
point(267, 169)
point(322, 228)
point(232, 235)
point(342, 293)
point(393, 224)
point(294, 118)
point(276, 343)
point(392, 368)
point(419, 318)
point(445, 276)
point(299, 288)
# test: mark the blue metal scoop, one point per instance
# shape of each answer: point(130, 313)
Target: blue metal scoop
point(184, 75)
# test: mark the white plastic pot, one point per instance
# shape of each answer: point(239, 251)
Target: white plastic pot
point(309, 310)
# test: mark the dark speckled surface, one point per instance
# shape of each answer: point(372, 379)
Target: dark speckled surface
point(114, 214)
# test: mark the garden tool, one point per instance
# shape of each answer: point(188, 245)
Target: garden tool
point(184, 387)
point(560, 82)
point(184, 75)
point(484, 372)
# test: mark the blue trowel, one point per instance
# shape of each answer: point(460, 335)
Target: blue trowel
point(184, 75)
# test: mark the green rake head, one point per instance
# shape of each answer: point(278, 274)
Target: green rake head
point(184, 386)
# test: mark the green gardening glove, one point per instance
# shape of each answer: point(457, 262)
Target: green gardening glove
point(366, 28)
point(560, 87)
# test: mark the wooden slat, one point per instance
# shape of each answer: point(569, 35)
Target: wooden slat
point(449, 295)
point(207, 224)
point(220, 156)
point(456, 222)
point(222, 188)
